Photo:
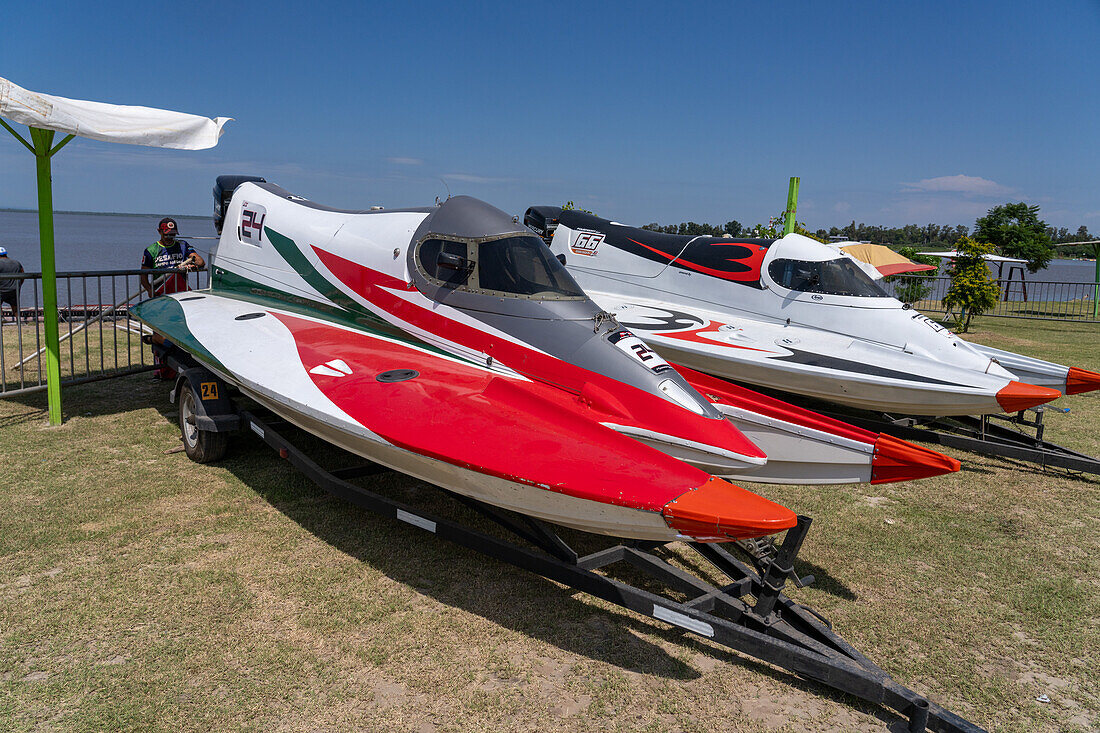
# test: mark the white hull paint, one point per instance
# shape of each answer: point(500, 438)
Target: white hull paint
point(947, 389)
point(1029, 369)
point(246, 350)
point(801, 455)
point(867, 350)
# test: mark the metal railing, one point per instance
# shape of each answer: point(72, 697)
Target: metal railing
point(98, 337)
point(1055, 301)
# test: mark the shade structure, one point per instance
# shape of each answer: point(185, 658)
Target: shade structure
point(45, 115)
point(113, 123)
point(952, 254)
point(884, 259)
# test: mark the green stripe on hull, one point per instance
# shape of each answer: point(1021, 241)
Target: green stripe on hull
point(294, 257)
point(346, 312)
point(165, 316)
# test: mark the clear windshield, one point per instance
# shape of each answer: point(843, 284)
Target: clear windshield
point(523, 266)
point(831, 277)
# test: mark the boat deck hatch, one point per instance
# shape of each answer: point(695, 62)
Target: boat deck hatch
point(397, 375)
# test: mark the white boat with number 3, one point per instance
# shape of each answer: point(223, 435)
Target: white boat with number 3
point(791, 314)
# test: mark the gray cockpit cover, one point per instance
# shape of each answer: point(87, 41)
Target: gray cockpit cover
point(565, 328)
point(468, 218)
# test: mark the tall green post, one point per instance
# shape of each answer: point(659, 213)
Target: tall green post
point(42, 140)
point(792, 205)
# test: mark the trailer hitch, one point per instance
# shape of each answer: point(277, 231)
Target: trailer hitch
point(765, 556)
point(777, 569)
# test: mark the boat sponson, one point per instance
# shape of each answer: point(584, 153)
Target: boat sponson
point(1016, 396)
point(1081, 380)
point(719, 390)
point(719, 511)
point(892, 459)
point(517, 430)
point(899, 460)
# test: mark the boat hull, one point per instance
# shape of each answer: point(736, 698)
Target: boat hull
point(492, 436)
point(562, 509)
point(789, 314)
point(829, 367)
point(805, 447)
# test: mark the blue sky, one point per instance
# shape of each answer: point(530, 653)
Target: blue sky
point(891, 113)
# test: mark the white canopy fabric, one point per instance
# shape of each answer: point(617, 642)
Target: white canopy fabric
point(113, 123)
point(955, 253)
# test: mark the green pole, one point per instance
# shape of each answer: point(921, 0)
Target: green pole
point(43, 139)
point(792, 204)
point(1096, 283)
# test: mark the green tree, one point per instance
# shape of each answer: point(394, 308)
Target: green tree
point(911, 288)
point(972, 288)
point(774, 229)
point(1017, 231)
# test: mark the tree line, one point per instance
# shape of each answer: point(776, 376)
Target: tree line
point(929, 236)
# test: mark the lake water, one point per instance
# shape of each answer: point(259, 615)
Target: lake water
point(116, 241)
point(95, 241)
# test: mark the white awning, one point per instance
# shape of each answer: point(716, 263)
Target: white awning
point(113, 123)
point(989, 258)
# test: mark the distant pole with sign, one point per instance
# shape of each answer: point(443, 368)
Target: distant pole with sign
point(1096, 282)
point(792, 205)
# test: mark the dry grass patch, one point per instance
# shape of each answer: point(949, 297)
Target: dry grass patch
point(139, 591)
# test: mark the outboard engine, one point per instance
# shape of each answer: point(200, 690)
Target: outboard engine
point(543, 220)
point(224, 187)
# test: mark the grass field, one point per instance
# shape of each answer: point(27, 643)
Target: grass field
point(141, 591)
point(80, 353)
point(1080, 308)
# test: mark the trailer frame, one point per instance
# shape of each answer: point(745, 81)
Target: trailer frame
point(749, 614)
point(1001, 436)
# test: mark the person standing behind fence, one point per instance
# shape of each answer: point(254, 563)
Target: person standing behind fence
point(9, 287)
point(169, 253)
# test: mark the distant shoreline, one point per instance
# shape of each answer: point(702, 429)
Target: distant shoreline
point(103, 213)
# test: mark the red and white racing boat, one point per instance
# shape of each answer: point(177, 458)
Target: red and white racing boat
point(446, 343)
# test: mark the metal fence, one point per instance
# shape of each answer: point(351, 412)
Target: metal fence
point(1018, 298)
point(99, 338)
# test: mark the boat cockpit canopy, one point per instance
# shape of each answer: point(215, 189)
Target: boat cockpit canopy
point(839, 276)
point(508, 266)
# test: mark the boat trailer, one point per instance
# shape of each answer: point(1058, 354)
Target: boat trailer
point(748, 613)
point(1002, 436)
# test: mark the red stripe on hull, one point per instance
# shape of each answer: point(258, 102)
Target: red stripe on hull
point(645, 410)
point(753, 262)
point(738, 396)
point(471, 418)
point(696, 336)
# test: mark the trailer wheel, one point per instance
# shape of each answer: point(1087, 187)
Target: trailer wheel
point(201, 446)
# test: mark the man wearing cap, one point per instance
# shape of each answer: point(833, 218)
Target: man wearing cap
point(169, 253)
point(9, 288)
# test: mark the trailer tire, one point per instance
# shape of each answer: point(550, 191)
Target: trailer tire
point(201, 446)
